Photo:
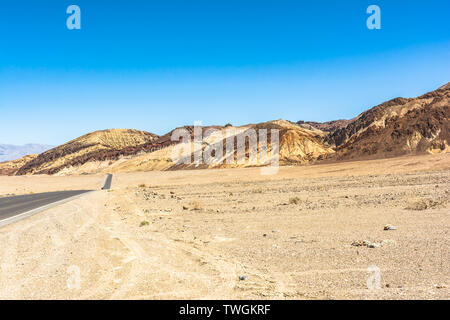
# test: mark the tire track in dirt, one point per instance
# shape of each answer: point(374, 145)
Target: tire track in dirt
point(141, 259)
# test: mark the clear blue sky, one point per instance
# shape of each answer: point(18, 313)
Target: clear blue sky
point(155, 65)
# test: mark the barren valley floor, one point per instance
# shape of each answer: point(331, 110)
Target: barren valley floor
point(234, 234)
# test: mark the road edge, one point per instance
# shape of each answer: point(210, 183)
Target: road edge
point(30, 213)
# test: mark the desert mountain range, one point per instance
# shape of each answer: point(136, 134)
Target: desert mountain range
point(397, 127)
point(10, 152)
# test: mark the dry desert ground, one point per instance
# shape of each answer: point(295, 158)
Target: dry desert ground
point(236, 234)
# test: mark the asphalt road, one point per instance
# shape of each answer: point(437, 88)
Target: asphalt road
point(107, 182)
point(12, 206)
point(18, 207)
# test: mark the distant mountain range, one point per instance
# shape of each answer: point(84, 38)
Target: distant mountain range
point(10, 152)
point(400, 126)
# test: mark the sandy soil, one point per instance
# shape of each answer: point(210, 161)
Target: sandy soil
point(18, 185)
point(193, 234)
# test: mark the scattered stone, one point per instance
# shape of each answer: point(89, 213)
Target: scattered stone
point(185, 208)
point(360, 243)
point(366, 243)
point(357, 243)
point(243, 278)
point(265, 235)
point(389, 227)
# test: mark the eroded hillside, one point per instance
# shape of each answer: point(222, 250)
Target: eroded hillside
point(397, 127)
point(9, 168)
point(95, 146)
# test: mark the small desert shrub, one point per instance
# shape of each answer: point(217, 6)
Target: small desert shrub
point(294, 200)
point(142, 185)
point(144, 223)
point(195, 205)
point(420, 204)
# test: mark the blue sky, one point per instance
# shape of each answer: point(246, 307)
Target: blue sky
point(155, 65)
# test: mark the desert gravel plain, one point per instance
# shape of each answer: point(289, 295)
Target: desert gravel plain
point(237, 234)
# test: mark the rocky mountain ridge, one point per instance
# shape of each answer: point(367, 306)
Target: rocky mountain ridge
point(396, 127)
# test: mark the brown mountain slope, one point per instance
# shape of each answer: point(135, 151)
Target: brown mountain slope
point(397, 127)
point(297, 145)
point(159, 159)
point(95, 146)
point(445, 86)
point(329, 126)
point(11, 167)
